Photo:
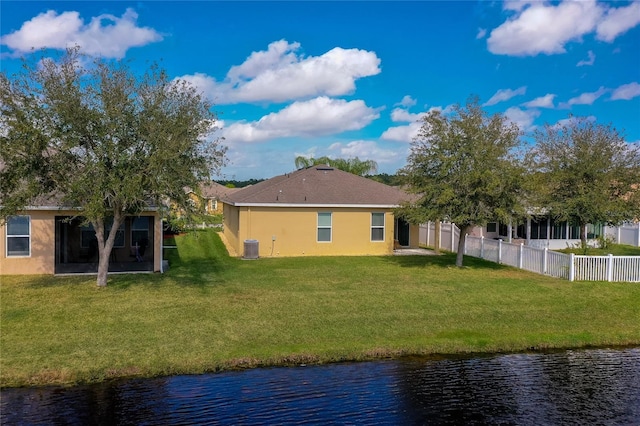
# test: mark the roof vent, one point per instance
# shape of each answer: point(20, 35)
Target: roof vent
point(324, 168)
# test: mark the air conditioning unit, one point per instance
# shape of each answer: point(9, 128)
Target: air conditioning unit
point(250, 249)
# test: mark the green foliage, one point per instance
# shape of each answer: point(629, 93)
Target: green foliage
point(238, 183)
point(351, 165)
point(464, 168)
point(387, 179)
point(102, 139)
point(585, 173)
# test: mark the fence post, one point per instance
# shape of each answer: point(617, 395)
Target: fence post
point(500, 250)
point(464, 250)
point(481, 247)
point(428, 229)
point(545, 260)
point(610, 267)
point(520, 255)
point(572, 267)
point(453, 249)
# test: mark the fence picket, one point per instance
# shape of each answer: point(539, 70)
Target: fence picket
point(560, 265)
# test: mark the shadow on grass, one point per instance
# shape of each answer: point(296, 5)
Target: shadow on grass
point(445, 260)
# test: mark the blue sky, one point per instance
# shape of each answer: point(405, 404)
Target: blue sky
point(347, 79)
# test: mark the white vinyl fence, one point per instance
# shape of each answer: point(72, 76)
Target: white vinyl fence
point(449, 235)
point(560, 265)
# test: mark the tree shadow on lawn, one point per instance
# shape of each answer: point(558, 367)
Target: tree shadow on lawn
point(445, 260)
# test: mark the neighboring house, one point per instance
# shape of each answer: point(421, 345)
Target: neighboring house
point(539, 231)
point(210, 195)
point(46, 239)
point(317, 211)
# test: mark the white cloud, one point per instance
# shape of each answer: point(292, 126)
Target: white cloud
point(402, 115)
point(402, 133)
point(407, 102)
point(106, 35)
point(569, 121)
point(504, 95)
point(316, 117)
point(481, 33)
point(590, 61)
point(617, 21)
point(367, 150)
point(279, 74)
point(585, 98)
point(626, 91)
point(541, 27)
point(545, 101)
point(523, 118)
point(517, 5)
point(408, 132)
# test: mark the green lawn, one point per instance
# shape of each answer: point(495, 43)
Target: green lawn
point(211, 312)
point(614, 249)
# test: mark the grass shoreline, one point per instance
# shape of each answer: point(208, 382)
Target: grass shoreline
point(211, 313)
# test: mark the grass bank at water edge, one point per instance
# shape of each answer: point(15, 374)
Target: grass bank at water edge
point(210, 312)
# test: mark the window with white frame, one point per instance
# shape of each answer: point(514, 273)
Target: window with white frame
point(18, 236)
point(377, 226)
point(324, 227)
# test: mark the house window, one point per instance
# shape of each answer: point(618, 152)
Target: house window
point(119, 242)
point(87, 235)
point(140, 231)
point(377, 226)
point(324, 227)
point(18, 236)
point(492, 227)
point(539, 229)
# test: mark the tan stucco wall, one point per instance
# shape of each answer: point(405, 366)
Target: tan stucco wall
point(42, 258)
point(295, 231)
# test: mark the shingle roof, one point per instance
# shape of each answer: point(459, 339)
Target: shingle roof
point(215, 190)
point(317, 186)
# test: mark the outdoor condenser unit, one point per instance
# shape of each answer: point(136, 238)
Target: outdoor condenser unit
point(250, 249)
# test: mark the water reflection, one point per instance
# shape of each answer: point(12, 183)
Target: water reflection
point(572, 387)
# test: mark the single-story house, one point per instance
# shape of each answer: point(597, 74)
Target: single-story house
point(50, 239)
point(210, 195)
point(316, 211)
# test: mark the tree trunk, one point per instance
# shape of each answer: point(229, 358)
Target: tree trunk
point(583, 237)
point(437, 237)
point(105, 247)
point(460, 255)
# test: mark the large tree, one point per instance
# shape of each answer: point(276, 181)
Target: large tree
point(586, 173)
point(351, 165)
point(465, 168)
point(103, 139)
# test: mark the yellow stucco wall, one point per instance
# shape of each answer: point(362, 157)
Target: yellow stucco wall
point(42, 258)
point(293, 231)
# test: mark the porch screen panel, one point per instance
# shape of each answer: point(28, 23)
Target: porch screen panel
point(140, 231)
point(19, 236)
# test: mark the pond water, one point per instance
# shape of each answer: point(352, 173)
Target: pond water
point(575, 387)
